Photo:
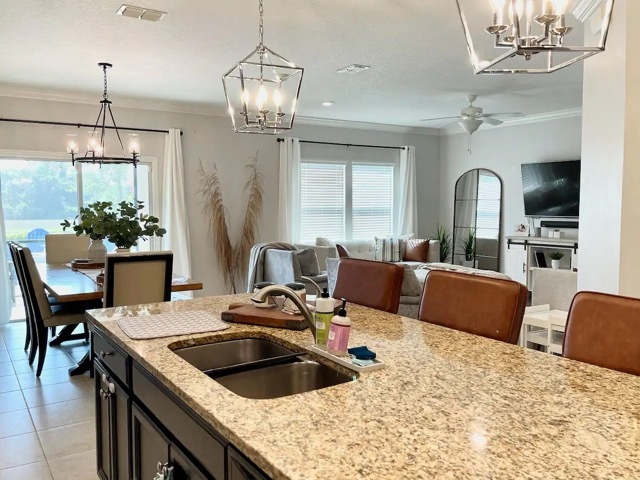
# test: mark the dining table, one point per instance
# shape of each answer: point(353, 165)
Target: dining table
point(67, 284)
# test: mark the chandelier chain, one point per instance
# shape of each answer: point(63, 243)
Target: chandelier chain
point(261, 27)
point(104, 93)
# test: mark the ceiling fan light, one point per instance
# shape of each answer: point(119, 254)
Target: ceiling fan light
point(470, 125)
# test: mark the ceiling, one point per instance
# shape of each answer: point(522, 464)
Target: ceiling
point(420, 65)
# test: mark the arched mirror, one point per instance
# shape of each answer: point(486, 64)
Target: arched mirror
point(477, 218)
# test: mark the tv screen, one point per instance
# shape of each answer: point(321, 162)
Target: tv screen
point(551, 189)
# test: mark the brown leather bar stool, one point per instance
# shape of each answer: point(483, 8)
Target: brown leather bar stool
point(484, 306)
point(604, 330)
point(372, 284)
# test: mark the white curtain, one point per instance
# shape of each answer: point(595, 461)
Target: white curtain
point(5, 282)
point(174, 205)
point(289, 193)
point(408, 200)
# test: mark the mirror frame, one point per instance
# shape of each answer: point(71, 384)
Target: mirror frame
point(455, 196)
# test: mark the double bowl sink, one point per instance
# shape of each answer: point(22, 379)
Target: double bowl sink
point(261, 369)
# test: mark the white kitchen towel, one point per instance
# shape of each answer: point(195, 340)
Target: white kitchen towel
point(170, 324)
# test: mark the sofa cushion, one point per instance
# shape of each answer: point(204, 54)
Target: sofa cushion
point(416, 250)
point(413, 265)
point(410, 285)
point(325, 242)
point(342, 251)
point(308, 261)
point(389, 249)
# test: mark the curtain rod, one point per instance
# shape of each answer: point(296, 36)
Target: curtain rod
point(82, 125)
point(346, 144)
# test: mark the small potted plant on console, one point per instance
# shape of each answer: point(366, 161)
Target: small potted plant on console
point(555, 257)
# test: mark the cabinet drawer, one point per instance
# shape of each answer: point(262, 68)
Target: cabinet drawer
point(111, 356)
point(242, 469)
point(176, 417)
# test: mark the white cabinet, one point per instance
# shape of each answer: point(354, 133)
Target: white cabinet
point(515, 263)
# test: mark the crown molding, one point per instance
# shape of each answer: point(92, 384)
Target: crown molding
point(121, 102)
point(379, 127)
point(536, 118)
point(585, 8)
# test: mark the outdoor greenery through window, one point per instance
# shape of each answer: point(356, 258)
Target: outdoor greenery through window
point(350, 200)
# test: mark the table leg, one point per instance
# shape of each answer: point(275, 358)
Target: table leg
point(83, 366)
point(67, 334)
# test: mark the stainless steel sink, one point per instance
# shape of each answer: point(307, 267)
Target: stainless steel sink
point(260, 369)
point(231, 353)
point(295, 376)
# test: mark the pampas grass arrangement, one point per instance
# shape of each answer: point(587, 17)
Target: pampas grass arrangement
point(232, 260)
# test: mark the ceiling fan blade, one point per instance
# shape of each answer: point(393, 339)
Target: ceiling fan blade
point(492, 121)
point(505, 114)
point(440, 118)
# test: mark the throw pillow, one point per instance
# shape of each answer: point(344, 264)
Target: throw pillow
point(324, 242)
point(410, 285)
point(388, 249)
point(308, 261)
point(342, 251)
point(416, 250)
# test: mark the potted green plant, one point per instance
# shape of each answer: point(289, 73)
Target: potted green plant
point(469, 247)
point(92, 221)
point(555, 257)
point(130, 225)
point(444, 238)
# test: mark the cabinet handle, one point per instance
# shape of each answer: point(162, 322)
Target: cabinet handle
point(112, 388)
point(104, 354)
point(165, 472)
point(104, 394)
point(524, 267)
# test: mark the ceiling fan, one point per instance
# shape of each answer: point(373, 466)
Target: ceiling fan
point(471, 117)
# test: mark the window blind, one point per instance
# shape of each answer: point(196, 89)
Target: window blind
point(488, 209)
point(372, 201)
point(322, 201)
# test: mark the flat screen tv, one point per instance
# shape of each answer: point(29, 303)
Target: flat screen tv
point(551, 189)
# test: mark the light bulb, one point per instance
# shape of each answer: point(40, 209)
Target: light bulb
point(246, 97)
point(530, 8)
point(277, 98)
point(497, 4)
point(98, 150)
point(520, 8)
point(134, 145)
point(93, 144)
point(559, 6)
point(498, 9)
point(261, 98)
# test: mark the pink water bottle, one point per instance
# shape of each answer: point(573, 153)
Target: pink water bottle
point(339, 332)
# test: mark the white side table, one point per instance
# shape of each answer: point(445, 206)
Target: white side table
point(544, 327)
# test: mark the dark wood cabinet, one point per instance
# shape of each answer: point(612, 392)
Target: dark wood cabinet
point(141, 427)
point(112, 426)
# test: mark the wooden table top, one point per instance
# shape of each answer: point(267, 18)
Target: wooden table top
point(69, 285)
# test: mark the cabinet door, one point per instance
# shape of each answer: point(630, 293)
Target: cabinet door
point(515, 263)
point(150, 446)
point(240, 468)
point(104, 424)
point(183, 468)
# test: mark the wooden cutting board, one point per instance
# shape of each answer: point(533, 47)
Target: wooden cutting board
point(265, 317)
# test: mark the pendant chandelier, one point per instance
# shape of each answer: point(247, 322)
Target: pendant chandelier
point(262, 90)
point(96, 151)
point(533, 36)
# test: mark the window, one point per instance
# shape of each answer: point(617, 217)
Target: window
point(488, 208)
point(346, 200)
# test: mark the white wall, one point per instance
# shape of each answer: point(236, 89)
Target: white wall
point(503, 150)
point(210, 140)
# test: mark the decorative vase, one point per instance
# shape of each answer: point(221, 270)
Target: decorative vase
point(123, 250)
point(467, 263)
point(555, 264)
point(97, 251)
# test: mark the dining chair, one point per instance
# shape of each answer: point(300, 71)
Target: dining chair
point(604, 330)
point(489, 307)
point(65, 247)
point(13, 247)
point(372, 284)
point(136, 278)
point(44, 314)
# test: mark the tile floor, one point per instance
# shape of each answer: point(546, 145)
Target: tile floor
point(47, 428)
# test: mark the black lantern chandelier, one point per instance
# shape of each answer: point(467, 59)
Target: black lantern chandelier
point(96, 150)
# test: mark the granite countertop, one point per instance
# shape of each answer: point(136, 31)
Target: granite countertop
point(448, 406)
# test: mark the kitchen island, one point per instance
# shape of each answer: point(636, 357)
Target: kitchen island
point(448, 405)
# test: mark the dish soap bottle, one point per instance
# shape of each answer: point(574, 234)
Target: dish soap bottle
point(324, 312)
point(339, 331)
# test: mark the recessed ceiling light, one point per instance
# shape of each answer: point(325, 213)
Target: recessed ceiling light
point(141, 13)
point(327, 103)
point(355, 68)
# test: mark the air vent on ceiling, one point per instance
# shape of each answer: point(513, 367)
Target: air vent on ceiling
point(141, 13)
point(355, 68)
